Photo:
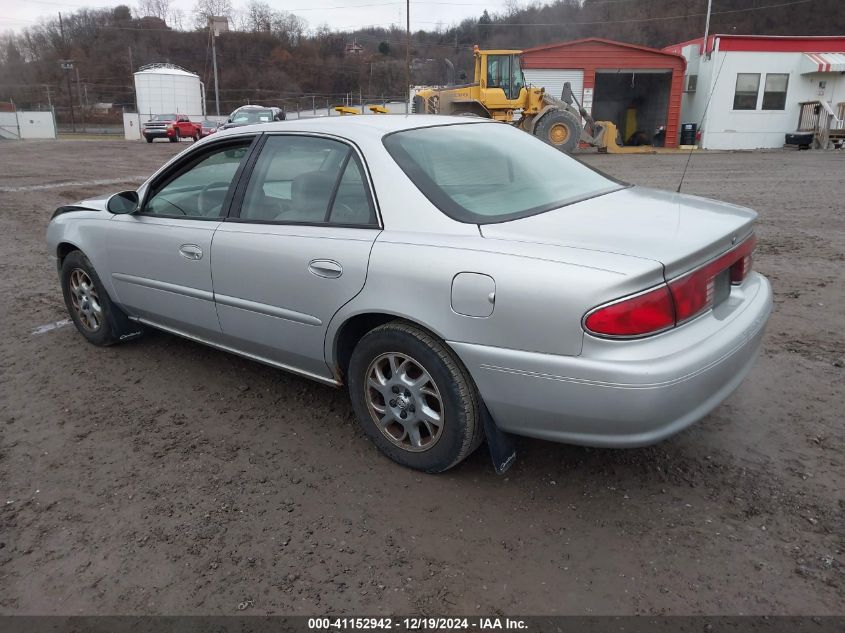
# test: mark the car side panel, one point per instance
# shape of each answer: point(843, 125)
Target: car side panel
point(155, 280)
point(273, 297)
point(87, 230)
point(538, 302)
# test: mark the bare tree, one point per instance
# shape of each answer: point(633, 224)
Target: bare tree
point(289, 28)
point(155, 8)
point(204, 9)
point(259, 16)
point(176, 19)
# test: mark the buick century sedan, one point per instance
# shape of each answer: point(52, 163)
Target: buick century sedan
point(453, 274)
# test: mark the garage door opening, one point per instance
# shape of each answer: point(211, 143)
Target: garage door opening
point(636, 101)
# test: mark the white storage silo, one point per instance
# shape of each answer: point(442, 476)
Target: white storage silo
point(169, 89)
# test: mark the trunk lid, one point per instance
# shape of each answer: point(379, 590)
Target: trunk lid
point(679, 231)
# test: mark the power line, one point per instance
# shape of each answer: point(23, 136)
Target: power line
point(652, 19)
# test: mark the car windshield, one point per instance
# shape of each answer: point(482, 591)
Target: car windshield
point(492, 172)
point(164, 117)
point(252, 116)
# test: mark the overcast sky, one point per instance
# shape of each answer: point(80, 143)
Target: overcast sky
point(338, 14)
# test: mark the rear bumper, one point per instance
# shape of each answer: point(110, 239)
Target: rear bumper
point(625, 393)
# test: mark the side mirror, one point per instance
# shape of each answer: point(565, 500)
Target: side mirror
point(123, 203)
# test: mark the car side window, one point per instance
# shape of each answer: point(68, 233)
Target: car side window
point(307, 180)
point(200, 190)
point(352, 203)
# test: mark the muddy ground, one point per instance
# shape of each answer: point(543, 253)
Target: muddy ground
point(164, 477)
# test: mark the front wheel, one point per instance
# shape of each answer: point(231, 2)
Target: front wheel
point(413, 398)
point(175, 137)
point(560, 129)
point(94, 315)
point(149, 139)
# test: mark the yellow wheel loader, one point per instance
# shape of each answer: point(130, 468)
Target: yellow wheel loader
point(499, 92)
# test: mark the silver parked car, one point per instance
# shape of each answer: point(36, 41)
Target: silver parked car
point(454, 274)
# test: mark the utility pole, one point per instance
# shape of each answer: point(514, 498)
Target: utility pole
point(132, 73)
point(67, 64)
point(407, 54)
point(707, 26)
point(79, 95)
point(49, 98)
point(216, 84)
point(212, 27)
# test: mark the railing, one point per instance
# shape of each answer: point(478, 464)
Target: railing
point(827, 125)
point(839, 122)
point(808, 117)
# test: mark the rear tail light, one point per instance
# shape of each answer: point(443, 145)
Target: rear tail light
point(645, 313)
point(671, 303)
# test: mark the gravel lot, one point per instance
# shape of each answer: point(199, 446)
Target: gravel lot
point(164, 477)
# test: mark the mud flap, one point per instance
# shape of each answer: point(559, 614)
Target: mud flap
point(502, 449)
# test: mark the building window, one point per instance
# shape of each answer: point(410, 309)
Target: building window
point(747, 87)
point(692, 82)
point(774, 93)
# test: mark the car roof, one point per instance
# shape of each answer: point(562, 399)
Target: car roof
point(354, 126)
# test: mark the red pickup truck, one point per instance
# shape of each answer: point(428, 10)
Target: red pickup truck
point(172, 127)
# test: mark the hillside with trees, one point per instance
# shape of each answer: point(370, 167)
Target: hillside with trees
point(277, 58)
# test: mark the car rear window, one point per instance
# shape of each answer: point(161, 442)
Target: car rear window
point(253, 116)
point(492, 172)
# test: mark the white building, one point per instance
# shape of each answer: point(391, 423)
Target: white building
point(760, 88)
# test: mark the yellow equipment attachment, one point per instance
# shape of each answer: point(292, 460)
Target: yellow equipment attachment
point(375, 109)
point(605, 135)
point(343, 110)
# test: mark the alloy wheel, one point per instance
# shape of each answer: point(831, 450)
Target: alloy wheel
point(85, 300)
point(404, 402)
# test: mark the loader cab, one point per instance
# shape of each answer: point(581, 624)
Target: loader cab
point(500, 69)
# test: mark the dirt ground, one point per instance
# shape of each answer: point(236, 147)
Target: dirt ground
point(164, 477)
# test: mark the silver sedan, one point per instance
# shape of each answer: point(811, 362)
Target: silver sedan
point(459, 277)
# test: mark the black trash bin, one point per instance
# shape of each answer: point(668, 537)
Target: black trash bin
point(688, 131)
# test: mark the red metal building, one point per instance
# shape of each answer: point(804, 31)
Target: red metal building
point(636, 87)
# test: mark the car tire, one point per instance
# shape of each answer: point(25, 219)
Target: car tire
point(397, 355)
point(175, 137)
point(559, 128)
point(149, 139)
point(99, 320)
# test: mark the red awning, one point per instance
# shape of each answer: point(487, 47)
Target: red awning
point(823, 63)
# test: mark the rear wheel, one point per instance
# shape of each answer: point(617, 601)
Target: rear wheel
point(94, 315)
point(413, 398)
point(560, 129)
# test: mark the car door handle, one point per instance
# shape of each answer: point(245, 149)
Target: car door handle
point(325, 268)
point(190, 251)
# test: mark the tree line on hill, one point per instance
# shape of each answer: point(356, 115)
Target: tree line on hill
point(274, 57)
